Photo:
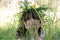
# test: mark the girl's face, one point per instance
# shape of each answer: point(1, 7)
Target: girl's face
point(32, 23)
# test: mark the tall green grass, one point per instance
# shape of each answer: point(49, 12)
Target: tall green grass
point(8, 33)
point(50, 26)
point(52, 29)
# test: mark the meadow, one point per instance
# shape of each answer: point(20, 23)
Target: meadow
point(50, 24)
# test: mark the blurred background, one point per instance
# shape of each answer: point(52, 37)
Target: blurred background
point(11, 13)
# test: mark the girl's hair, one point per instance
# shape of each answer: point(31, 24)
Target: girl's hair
point(30, 13)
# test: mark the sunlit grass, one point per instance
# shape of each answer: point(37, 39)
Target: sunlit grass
point(52, 27)
point(9, 34)
point(8, 25)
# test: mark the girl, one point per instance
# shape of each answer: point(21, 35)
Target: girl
point(32, 26)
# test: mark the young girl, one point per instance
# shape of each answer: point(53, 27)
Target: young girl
point(32, 26)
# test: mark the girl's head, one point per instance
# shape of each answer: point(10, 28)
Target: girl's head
point(31, 19)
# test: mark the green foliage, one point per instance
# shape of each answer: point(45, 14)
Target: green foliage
point(25, 5)
point(9, 34)
point(51, 29)
point(42, 9)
